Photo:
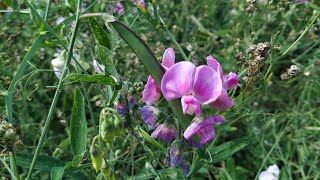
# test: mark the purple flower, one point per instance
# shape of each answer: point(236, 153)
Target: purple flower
point(149, 115)
point(176, 153)
point(164, 133)
point(120, 105)
point(201, 132)
point(223, 102)
point(151, 92)
point(198, 85)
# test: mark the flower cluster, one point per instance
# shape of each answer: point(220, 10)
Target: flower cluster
point(196, 87)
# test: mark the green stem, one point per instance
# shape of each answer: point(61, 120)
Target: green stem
point(57, 94)
point(47, 10)
point(176, 43)
point(299, 38)
point(8, 168)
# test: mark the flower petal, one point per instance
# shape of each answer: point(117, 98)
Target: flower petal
point(230, 80)
point(168, 58)
point(151, 92)
point(98, 67)
point(274, 169)
point(190, 105)
point(164, 133)
point(265, 175)
point(207, 84)
point(178, 80)
point(223, 103)
point(213, 63)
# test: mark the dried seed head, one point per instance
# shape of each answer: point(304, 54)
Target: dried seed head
point(284, 76)
point(293, 70)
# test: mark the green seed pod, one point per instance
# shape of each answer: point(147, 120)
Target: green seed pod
point(111, 126)
point(96, 157)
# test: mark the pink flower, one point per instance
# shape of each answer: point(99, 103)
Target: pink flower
point(151, 92)
point(223, 102)
point(201, 132)
point(194, 85)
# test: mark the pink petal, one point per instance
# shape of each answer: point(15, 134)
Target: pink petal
point(190, 105)
point(178, 80)
point(206, 134)
point(207, 84)
point(151, 92)
point(168, 58)
point(230, 80)
point(213, 63)
point(223, 103)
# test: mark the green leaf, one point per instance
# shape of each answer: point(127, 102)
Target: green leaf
point(97, 78)
point(12, 3)
point(36, 20)
point(101, 36)
point(44, 163)
point(226, 150)
point(57, 173)
point(77, 160)
point(151, 140)
point(78, 125)
point(107, 59)
point(141, 49)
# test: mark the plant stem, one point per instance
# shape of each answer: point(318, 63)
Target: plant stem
point(8, 168)
point(57, 93)
point(176, 43)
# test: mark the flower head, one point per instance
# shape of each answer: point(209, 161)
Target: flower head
point(149, 115)
point(195, 85)
point(201, 132)
point(165, 133)
point(272, 173)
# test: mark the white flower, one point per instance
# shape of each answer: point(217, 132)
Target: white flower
point(272, 173)
point(98, 67)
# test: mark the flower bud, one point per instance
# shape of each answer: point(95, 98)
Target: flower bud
point(165, 132)
point(96, 157)
point(176, 153)
point(149, 115)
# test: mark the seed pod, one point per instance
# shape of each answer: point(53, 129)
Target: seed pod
point(111, 126)
point(96, 157)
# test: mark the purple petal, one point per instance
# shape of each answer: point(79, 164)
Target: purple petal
point(185, 166)
point(164, 133)
point(168, 58)
point(98, 67)
point(223, 103)
point(190, 105)
point(178, 80)
point(142, 3)
point(213, 63)
point(151, 92)
point(207, 84)
point(206, 134)
point(148, 114)
point(230, 81)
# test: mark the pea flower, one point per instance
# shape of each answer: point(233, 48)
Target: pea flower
point(185, 166)
point(194, 85)
point(120, 105)
point(272, 173)
point(149, 115)
point(164, 132)
point(201, 132)
point(223, 102)
point(151, 92)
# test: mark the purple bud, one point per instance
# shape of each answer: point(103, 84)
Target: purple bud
point(164, 133)
point(121, 106)
point(176, 153)
point(185, 166)
point(149, 115)
point(201, 132)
